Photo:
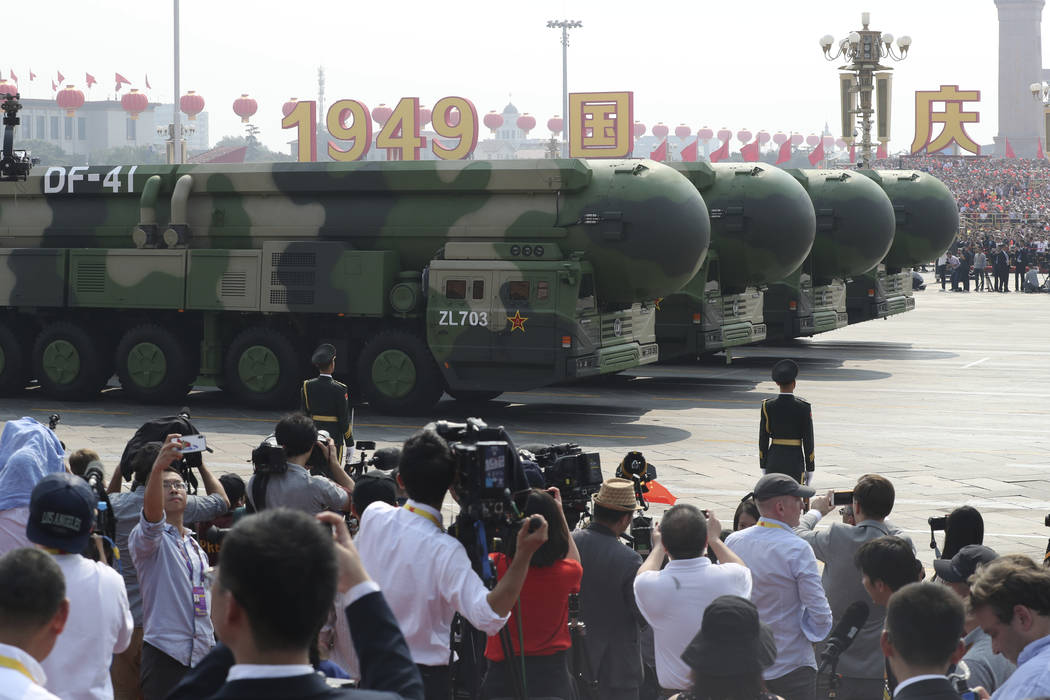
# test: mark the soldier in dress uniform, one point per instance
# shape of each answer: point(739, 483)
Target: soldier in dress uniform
point(326, 400)
point(785, 434)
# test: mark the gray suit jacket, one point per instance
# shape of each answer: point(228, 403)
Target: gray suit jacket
point(607, 607)
point(836, 547)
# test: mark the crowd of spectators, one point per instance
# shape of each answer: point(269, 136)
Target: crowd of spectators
point(781, 606)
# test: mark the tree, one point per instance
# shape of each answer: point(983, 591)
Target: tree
point(256, 153)
point(48, 153)
point(128, 155)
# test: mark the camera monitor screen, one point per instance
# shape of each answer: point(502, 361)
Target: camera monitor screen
point(494, 461)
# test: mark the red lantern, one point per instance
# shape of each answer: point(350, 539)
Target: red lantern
point(493, 121)
point(526, 123)
point(744, 136)
point(724, 134)
point(706, 133)
point(288, 106)
point(69, 99)
point(452, 116)
point(763, 136)
point(829, 141)
point(779, 138)
point(796, 139)
point(191, 104)
point(812, 140)
point(381, 114)
point(424, 116)
point(660, 130)
point(8, 88)
point(639, 130)
point(244, 107)
point(555, 124)
point(134, 103)
point(682, 131)
point(840, 143)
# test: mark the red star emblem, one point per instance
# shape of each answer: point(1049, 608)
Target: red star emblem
point(517, 322)
point(657, 303)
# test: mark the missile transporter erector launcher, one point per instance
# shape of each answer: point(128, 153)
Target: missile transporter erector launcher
point(854, 231)
point(467, 276)
point(927, 221)
point(762, 228)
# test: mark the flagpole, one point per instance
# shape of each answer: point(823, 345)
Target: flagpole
point(177, 127)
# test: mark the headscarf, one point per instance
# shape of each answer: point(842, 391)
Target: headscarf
point(29, 451)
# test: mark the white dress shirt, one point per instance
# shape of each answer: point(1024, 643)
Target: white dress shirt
point(916, 679)
point(673, 601)
point(425, 575)
point(21, 677)
point(787, 591)
point(98, 627)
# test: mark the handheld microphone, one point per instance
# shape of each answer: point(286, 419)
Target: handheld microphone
point(844, 633)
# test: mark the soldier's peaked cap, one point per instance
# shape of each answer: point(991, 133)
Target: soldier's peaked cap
point(323, 355)
point(785, 371)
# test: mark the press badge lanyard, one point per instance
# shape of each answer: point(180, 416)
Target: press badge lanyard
point(772, 526)
point(423, 514)
point(200, 601)
point(16, 665)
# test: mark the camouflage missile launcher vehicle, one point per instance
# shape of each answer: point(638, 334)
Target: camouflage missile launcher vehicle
point(762, 228)
point(927, 222)
point(472, 277)
point(855, 226)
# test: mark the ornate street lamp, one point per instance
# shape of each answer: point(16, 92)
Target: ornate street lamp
point(862, 76)
point(1041, 92)
point(565, 25)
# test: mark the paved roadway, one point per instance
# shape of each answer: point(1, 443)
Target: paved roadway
point(949, 401)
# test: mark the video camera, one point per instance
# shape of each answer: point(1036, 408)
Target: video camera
point(577, 474)
point(14, 165)
point(488, 470)
point(635, 467)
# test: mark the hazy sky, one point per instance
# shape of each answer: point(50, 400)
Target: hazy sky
point(748, 63)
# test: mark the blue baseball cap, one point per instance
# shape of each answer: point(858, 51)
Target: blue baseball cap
point(61, 512)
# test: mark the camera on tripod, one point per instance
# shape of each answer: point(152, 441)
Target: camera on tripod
point(487, 469)
point(635, 467)
point(577, 474)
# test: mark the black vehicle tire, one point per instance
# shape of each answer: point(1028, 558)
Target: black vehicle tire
point(154, 365)
point(263, 368)
point(398, 375)
point(472, 395)
point(14, 365)
point(71, 363)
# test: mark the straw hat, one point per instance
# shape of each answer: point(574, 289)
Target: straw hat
point(617, 494)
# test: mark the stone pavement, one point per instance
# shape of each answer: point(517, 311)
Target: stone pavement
point(949, 401)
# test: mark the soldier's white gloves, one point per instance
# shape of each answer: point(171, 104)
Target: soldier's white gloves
point(807, 477)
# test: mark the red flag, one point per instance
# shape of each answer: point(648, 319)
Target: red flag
point(14, 78)
point(53, 86)
point(852, 153)
point(658, 493)
point(721, 153)
point(1009, 150)
point(148, 86)
point(32, 75)
point(750, 151)
point(61, 78)
point(89, 79)
point(1039, 153)
point(785, 152)
point(818, 154)
point(120, 79)
point(880, 152)
point(689, 153)
point(660, 154)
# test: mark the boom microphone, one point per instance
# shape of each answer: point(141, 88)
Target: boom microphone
point(844, 634)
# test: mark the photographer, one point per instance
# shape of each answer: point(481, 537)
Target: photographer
point(607, 603)
point(177, 632)
point(80, 459)
point(127, 507)
point(28, 453)
point(426, 574)
point(281, 478)
point(541, 621)
point(861, 665)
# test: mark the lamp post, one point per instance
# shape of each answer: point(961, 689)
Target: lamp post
point(864, 49)
point(564, 25)
point(1041, 92)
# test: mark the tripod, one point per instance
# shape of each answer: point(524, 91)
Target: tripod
point(582, 673)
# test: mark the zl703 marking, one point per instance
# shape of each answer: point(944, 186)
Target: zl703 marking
point(463, 318)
